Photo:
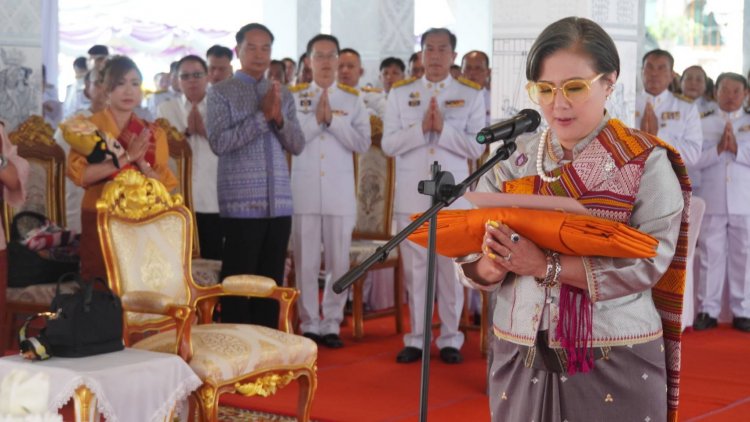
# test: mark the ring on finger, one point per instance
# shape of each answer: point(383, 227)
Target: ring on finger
point(515, 237)
point(507, 258)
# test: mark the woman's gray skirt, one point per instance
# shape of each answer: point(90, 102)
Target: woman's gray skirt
point(528, 384)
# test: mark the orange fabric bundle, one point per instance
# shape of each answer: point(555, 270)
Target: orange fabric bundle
point(461, 232)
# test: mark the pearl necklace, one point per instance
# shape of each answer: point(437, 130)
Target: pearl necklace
point(540, 160)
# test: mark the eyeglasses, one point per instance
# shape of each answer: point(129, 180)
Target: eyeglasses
point(321, 57)
point(574, 90)
point(194, 75)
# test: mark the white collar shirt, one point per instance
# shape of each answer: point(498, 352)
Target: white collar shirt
point(205, 162)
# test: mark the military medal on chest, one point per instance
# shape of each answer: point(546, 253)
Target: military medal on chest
point(414, 99)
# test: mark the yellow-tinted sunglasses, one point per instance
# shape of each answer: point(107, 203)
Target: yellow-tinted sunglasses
point(574, 90)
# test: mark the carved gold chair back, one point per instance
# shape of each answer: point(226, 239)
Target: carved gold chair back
point(146, 241)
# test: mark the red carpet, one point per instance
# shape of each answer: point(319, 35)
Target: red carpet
point(362, 382)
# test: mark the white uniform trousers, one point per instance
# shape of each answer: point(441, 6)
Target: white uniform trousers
point(335, 231)
point(450, 293)
point(725, 254)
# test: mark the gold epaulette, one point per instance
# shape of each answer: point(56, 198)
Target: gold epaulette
point(707, 113)
point(299, 87)
point(469, 83)
point(369, 89)
point(403, 82)
point(347, 88)
point(684, 98)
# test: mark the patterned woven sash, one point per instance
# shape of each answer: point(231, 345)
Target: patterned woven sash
point(605, 178)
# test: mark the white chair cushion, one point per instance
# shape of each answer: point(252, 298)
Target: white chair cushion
point(41, 294)
point(224, 352)
point(361, 249)
point(206, 272)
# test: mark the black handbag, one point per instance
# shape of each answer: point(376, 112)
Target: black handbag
point(27, 267)
point(84, 323)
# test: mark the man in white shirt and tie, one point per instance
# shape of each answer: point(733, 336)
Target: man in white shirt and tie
point(434, 118)
point(187, 113)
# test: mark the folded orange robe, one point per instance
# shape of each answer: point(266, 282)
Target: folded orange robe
point(461, 232)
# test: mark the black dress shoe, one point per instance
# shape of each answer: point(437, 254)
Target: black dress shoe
point(313, 336)
point(703, 321)
point(332, 341)
point(451, 355)
point(409, 354)
point(742, 324)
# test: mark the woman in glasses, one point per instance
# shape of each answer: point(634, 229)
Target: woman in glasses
point(143, 147)
point(581, 338)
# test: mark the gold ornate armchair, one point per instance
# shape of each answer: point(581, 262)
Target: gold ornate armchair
point(206, 272)
point(45, 194)
point(146, 237)
point(375, 183)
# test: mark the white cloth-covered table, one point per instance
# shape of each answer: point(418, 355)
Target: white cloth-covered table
point(129, 385)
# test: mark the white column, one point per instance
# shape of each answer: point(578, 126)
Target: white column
point(473, 27)
point(280, 16)
point(51, 40)
point(308, 23)
point(355, 24)
point(517, 23)
point(376, 29)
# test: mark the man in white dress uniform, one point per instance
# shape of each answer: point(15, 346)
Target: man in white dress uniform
point(336, 124)
point(673, 118)
point(725, 231)
point(434, 118)
point(349, 73)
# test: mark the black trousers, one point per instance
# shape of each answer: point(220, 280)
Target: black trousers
point(254, 246)
point(210, 236)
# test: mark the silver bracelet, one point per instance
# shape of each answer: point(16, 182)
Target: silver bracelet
point(552, 276)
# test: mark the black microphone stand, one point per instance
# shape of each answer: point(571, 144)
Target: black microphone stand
point(444, 192)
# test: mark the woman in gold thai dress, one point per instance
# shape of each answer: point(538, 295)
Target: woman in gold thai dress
point(144, 145)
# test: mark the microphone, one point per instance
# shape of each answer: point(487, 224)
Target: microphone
point(526, 120)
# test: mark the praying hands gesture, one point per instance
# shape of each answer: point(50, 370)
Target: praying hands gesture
point(433, 119)
point(195, 123)
point(137, 149)
point(323, 112)
point(728, 141)
point(271, 104)
point(649, 122)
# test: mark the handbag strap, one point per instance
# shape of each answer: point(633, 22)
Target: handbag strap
point(34, 347)
point(69, 277)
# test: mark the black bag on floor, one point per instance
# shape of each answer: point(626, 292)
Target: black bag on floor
point(84, 323)
point(27, 267)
